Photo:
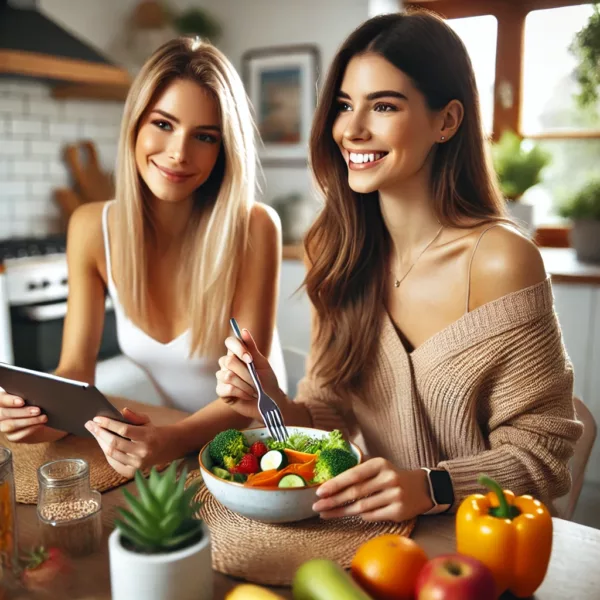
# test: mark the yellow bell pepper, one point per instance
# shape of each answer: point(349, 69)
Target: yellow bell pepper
point(511, 535)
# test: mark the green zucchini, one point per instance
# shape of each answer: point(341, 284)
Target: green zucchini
point(273, 459)
point(322, 579)
point(291, 481)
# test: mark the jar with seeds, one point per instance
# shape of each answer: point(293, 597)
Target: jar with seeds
point(8, 537)
point(69, 511)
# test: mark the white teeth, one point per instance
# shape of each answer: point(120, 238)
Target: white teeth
point(364, 158)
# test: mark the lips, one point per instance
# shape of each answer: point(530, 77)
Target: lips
point(171, 175)
point(359, 161)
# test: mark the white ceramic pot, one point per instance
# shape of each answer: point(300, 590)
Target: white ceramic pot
point(185, 574)
point(585, 239)
point(522, 213)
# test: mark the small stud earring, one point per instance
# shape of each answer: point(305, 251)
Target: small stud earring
point(443, 138)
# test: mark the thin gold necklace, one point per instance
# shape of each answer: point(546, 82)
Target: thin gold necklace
point(397, 281)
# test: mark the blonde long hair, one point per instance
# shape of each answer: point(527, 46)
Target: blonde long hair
point(217, 233)
point(348, 244)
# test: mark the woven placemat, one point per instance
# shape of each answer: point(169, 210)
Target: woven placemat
point(28, 457)
point(270, 554)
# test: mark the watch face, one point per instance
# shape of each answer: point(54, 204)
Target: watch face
point(442, 487)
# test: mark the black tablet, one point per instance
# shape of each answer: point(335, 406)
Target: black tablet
point(69, 404)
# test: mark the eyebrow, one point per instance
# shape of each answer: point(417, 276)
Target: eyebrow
point(377, 95)
point(164, 113)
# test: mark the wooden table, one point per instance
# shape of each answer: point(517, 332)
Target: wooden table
point(574, 568)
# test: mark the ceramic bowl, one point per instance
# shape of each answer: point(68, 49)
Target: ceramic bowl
point(269, 505)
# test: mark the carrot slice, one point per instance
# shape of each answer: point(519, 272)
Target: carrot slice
point(298, 457)
point(272, 477)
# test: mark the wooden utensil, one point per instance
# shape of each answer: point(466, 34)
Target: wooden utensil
point(92, 184)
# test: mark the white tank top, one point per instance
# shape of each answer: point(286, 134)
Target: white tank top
point(183, 382)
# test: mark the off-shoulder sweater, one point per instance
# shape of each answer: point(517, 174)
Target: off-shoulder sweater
point(492, 392)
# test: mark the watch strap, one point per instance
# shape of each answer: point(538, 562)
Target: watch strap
point(440, 490)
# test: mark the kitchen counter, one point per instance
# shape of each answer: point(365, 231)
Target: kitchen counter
point(561, 264)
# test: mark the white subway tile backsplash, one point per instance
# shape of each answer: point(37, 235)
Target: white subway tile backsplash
point(47, 107)
point(13, 188)
point(30, 169)
point(27, 127)
point(17, 107)
point(12, 148)
point(63, 130)
point(44, 148)
point(34, 128)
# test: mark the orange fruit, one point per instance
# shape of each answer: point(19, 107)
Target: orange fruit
point(387, 567)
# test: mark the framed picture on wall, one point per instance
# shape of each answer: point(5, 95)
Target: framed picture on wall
point(281, 82)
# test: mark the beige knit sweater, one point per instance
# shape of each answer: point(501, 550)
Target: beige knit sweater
point(491, 393)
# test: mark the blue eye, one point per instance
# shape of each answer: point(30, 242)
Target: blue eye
point(164, 125)
point(205, 137)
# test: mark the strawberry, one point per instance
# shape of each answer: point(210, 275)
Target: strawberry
point(258, 449)
point(42, 567)
point(247, 466)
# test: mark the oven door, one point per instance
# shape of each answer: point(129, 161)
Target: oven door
point(37, 334)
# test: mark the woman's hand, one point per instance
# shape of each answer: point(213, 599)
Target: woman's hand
point(24, 424)
point(234, 384)
point(143, 447)
point(376, 491)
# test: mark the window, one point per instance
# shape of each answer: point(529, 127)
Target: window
point(549, 84)
point(479, 35)
point(550, 112)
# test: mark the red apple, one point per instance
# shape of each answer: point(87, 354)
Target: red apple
point(455, 577)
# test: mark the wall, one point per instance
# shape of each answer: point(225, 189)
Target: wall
point(262, 23)
point(34, 129)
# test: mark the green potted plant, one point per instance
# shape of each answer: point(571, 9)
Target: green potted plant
point(583, 209)
point(518, 168)
point(197, 21)
point(159, 550)
point(586, 47)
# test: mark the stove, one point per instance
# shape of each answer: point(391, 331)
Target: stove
point(33, 303)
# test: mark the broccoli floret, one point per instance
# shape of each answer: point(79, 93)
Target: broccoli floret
point(331, 463)
point(228, 445)
point(297, 441)
point(335, 440)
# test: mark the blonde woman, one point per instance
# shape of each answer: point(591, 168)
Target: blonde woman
point(182, 248)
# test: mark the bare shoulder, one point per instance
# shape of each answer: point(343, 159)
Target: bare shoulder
point(265, 227)
point(85, 237)
point(504, 262)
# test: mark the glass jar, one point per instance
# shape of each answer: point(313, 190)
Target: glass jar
point(8, 522)
point(69, 511)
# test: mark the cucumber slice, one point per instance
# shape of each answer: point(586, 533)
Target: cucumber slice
point(274, 459)
point(222, 473)
point(292, 481)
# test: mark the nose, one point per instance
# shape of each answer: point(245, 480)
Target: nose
point(177, 148)
point(356, 127)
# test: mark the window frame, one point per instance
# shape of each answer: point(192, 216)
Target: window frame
point(511, 15)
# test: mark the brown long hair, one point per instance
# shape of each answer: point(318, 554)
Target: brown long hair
point(348, 244)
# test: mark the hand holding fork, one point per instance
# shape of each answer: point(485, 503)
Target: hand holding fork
point(244, 374)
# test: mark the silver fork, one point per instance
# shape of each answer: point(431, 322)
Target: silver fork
point(267, 407)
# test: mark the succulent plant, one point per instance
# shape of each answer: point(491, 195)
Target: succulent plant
point(161, 518)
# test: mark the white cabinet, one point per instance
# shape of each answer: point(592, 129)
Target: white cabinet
point(293, 313)
point(578, 309)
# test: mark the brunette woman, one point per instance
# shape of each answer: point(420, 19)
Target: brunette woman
point(434, 331)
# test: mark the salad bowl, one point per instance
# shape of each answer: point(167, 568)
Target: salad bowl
point(266, 504)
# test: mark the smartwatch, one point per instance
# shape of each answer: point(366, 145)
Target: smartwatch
point(440, 490)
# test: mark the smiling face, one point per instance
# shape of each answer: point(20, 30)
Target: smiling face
point(383, 128)
point(178, 141)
